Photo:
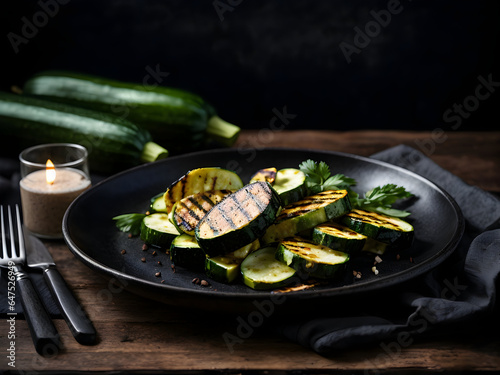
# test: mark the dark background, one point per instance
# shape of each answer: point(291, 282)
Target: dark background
point(270, 54)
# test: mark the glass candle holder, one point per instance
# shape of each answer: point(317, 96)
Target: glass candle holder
point(52, 176)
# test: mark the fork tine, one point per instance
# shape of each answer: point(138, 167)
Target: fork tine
point(20, 237)
point(13, 251)
point(5, 255)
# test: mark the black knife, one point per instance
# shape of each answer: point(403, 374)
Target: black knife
point(37, 256)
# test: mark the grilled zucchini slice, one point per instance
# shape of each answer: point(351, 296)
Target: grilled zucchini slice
point(199, 180)
point(157, 204)
point(290, 184)
point(390, 230)
point(311, 259)
point(239, 219)
point(266, 175)
point(338, 237)
point(157, 230)
point(185, 252)
point(261, 270)
point(375, 247)
point(188, 212)
point(307, 213)
point(226, 268)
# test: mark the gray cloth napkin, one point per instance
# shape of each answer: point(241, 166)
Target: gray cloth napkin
point(426, 305)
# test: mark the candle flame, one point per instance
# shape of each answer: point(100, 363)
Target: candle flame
point(50, 172)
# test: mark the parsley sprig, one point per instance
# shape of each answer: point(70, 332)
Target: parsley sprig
point(129, 223)
point(319, 178)
point(380, 199)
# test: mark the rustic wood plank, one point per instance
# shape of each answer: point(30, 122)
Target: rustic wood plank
point(183, 347)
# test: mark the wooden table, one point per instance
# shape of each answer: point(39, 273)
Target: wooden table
point(139, 335)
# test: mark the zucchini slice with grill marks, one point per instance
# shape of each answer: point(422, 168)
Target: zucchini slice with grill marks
point(157, 230)
point(188, 212)
point(390, 230)
point(266, 175)
point(199, 180)
point(290, 184)
point(239, 219)
point(311, 259)
point(338, 237)
point(185, 252)
point(261, 270)
point(307, 213)
point(226, 268)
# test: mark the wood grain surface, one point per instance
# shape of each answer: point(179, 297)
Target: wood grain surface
point(143, 336)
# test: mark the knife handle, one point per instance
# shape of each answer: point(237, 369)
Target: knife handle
point(43, 332)
point(80, 326)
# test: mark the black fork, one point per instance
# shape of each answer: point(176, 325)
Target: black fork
point(43, 332)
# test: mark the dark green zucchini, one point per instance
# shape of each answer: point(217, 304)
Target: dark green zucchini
point(157, 230)
point(390, 230)
point(307, 213)
point(113, 143)
point(261, 270)
point(157, 204)
point(338, 237)
point(376, 247)
point(185, 252)
point(238, 219)
point(177, 119)
point(290, 184)
point(226, 268)
point(311, 259)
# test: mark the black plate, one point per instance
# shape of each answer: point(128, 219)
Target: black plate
point(93, 238)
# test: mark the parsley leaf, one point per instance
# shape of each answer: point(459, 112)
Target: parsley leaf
point(381, 198)
point(319, 178)
point(339, 181)
point(129, 223)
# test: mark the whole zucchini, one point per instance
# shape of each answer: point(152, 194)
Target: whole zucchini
point(113, 143)
point(177, 119)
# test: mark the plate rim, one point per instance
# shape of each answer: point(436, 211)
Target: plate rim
point(375, 284)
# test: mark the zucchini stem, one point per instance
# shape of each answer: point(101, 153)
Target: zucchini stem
point(222, 131)
point(152, 152)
